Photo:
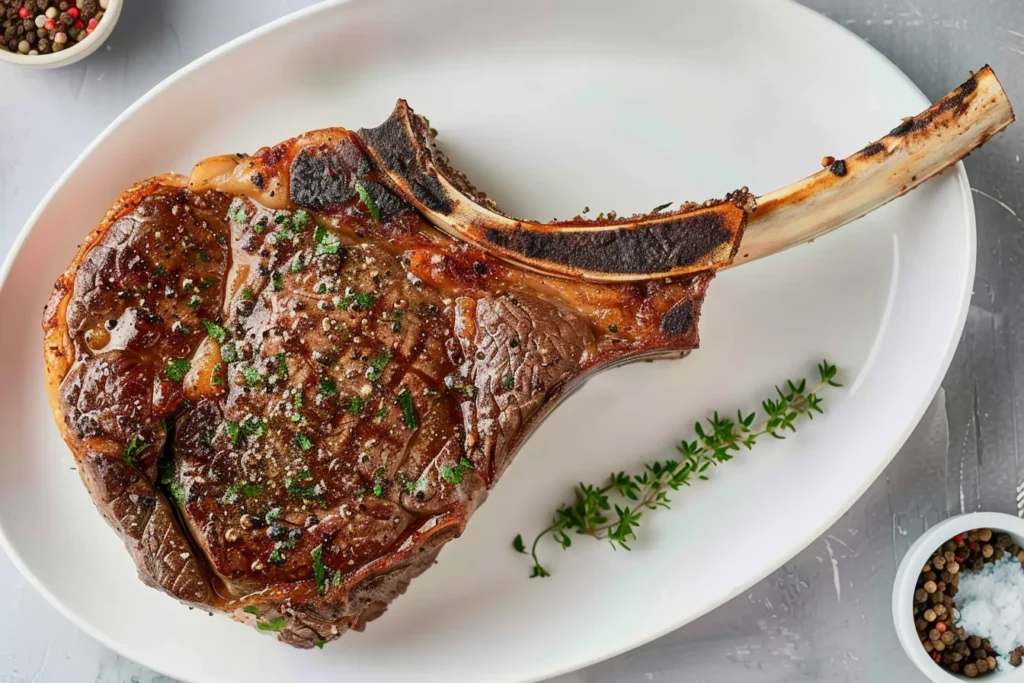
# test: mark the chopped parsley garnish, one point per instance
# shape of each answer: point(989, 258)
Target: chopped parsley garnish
point(177, 369)
point(297, 265)
point(252, 376)
point(276, 624)
point(259, 228)
point(404, 402)
point(328, 387)
point(319, 573)
point(282, 365)
point(232, 492)
point(326, 243)
point(365, 198)
point(134, 447)
point(168, 481)
point(204, 257)
point(219, 334)
point(234, 432)
point(238, 216)
point(298, 490)
point(355, 405)
point(303, 442)
point(382, 413)
point(320, 644)
point(454, 475)
point(205, 283)
point(251, 609)
point(248, 294)
point(276, 281)
point(229, 352)
point(336, 579)
point(510, 381)
point(416, 485)
point(253, 426)
point(297, 400)
point(276, 557)
point(300, 219)
point(159, 271)
point(364, 301)
point(217, 376)
point(273, 515)
point(195, 301)
point(230, 496)
point(377, 365)
point(320, 289)
point(380, 482)
point(286, 234)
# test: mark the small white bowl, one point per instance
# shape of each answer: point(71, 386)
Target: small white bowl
point(906, 584)
point(78, 51)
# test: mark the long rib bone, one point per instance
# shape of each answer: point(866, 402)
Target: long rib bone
point(696, 237)
point(916, 150)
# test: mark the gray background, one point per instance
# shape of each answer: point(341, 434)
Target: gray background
point(824, 616)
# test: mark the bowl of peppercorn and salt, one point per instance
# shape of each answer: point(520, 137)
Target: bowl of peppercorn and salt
point(958, 601)
point(51, 33)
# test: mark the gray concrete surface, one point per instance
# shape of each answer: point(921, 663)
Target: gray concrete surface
point(824, 616)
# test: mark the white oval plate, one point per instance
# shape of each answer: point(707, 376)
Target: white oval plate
point(550, 106)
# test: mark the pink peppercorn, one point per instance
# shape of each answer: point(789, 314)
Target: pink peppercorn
point(73, 11)
point(92, 25)
point(24, 13)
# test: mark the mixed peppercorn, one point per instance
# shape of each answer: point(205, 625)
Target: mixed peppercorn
point(39, 27)
point(935, 613)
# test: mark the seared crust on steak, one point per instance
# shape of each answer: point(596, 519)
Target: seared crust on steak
point(286, 390)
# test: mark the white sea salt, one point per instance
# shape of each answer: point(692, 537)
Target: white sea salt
point(991, 604)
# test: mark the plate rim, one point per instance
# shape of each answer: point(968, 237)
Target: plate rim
point(957, 172)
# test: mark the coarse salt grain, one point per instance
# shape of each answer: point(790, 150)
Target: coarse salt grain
point(991, 604)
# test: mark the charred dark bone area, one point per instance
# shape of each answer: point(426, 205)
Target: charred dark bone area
point(693, 239)
point(657, 246)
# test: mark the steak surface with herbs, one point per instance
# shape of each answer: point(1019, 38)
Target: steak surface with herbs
point(290, 378)
point(286, 412)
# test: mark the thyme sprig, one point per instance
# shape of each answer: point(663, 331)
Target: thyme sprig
point(613, 510)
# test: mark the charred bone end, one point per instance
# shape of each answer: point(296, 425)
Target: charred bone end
point(918, 149)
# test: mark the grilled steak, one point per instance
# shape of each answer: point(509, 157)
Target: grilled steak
point(289, 379)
